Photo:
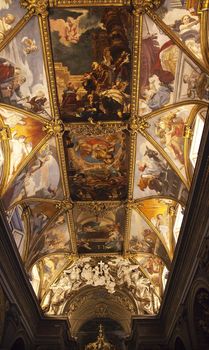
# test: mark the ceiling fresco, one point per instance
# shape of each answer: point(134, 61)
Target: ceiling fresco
point(102, 109)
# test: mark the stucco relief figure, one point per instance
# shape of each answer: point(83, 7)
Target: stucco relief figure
point(119, 273)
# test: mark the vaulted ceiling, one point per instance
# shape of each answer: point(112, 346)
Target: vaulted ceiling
point(102, 108)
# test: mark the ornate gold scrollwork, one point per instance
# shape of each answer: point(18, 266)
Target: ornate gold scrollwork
point(97, 128)
point(38, 7)
point(5, 133)
point(142, 6)
point(98, 209)
point(172, 211)
point(54, 128)
point(188, 133)
point(138, 125)
point(64, 205)
point(133, 205)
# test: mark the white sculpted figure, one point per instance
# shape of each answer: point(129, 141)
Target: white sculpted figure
point(87, 274)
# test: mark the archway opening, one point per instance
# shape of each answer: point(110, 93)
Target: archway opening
point(18, 345)
point(113, 333)
point(179, 345)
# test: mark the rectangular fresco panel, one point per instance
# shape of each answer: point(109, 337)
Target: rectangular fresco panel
point(99, 234)
point(91, 49)
point(97, 166)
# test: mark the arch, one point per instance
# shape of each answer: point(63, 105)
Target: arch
point(199, 284)
point(19, 344)
point(179, 345)
point(200, 317)
point(113, 332)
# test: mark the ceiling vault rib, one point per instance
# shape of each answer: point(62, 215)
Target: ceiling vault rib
point(147, 275)
point(161, 238)
point(137, 25)
point(187, 140)
point(24, 113)
point(63, 167)
point(26, 161)
point(174, 106)
point(55, 277)
point(72, 232)
point(158, 197)
point(176, 40)
point(165, 156)
point(36, 241)
point(4, 139)
point(14, 31)
point(34, 199)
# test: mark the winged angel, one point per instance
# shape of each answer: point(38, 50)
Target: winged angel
point(71, 29)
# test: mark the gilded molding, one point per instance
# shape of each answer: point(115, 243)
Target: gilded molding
point(96, 128)
point(38, 7)
point(138, 125)
point(99, 209)
point(159, 22)
point(55, 128)
point(67, 3)
point(141, 6)
point(62, 161)
point(5, 133)
point(188, 133)
point(172, 211)
point(64, 205)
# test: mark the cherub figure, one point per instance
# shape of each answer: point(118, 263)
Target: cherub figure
point(29, 45)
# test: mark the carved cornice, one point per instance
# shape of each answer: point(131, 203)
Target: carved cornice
point(98, 209)
point(38, 7)
point(98, 128)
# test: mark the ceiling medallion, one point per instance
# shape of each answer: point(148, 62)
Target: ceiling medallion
point(64, 205)
point(138, 125)
point(39, 7)
point(56, 128)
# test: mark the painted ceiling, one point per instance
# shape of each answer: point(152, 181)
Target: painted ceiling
point(102, 109)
